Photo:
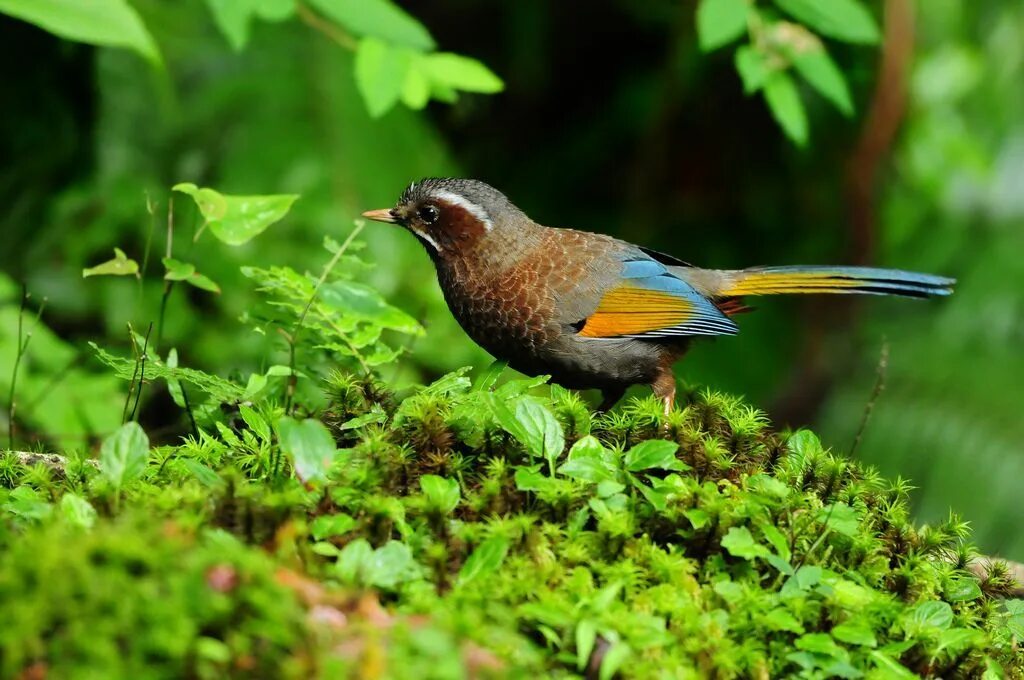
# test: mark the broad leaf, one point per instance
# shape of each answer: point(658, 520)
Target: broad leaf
point(77, 511)
point(108, 23)
point(442, 494)
point(752, 67)
point(461, 73)
point(719, 22)
point(326, 526)
point(124, 454)
point(817, 68)
point(847, 20)
point(533, 425)
point(484, 560)
point(962, 589)
point(237, 219)
point(786, 107)
point(366, 304)
point(935, 614)
point(381, 70)
point(121, 265)
point(739, 542)
point(653, 453)
point(309, 445)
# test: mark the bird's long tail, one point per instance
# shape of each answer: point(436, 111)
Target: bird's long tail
point(821, 279)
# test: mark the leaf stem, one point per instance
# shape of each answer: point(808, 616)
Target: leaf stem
point(332, 31)
point(293, 338)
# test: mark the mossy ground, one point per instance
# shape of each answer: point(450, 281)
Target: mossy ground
point(475, 531)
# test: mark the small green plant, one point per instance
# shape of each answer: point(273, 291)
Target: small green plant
point(783, 40)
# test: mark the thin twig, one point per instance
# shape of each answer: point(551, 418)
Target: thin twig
point(168, 285)
point(21, 350)
point(135, 374)
point(188, 410)
point(142, 376)
point(880, 375)
point(332, 31)
point(293, 339)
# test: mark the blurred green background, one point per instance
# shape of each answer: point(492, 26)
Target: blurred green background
point(611, 120)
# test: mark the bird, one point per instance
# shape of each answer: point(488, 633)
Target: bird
point(589, 310)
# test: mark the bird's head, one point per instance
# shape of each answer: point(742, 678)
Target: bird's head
point(451, 216)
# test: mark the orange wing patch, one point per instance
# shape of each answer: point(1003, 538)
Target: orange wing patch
point(631, 311)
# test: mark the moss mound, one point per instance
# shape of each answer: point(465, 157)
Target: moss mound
point(476, 531)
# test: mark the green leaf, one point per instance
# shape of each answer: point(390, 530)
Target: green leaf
point(589, 461)
point(392, 565)
point(442, 494)
point(27, 503)
point(538, 430)
point(328, 526)
point(365, 303)
point(698, 518)
point(840, 518)
point(177, 270)
point(934, 614)
point(780, 619)
point(183, 271)
point(804, 443)
point(108, 23)
point(233, 18)
point(893, 669)
point(77, 511)
point(786, 107)
point(752, 67)
point(653, 453)
point(1015, 618)
point(817, 68)
point(119, 266)
point(820, 643)
point(377, 19)
point(484, 560)
point(351, 561)
point(739, 542)
point(719, 22)
point(203, 282)
point(855, 633)
point(381, 70)
point(309, 445)
point(586, 637)
point(962, 589)
point(203, 473)
point(461, 73)
point(846, 20)
point(490, 376)
point(124, 454)
point(237, 219)
point(416, 86)
point(613, 660)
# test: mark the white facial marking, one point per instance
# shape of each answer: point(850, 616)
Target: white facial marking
point(426, 237)
point(467, 205)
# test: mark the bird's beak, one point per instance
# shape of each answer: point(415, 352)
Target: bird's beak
point(382, 215)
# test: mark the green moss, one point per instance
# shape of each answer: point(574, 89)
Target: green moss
point(698, 544)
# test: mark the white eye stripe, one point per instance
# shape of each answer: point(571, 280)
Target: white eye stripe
point(467, 205)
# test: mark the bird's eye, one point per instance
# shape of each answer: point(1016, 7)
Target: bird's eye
point(428, 214)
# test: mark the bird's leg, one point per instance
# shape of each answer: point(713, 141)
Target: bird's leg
point(610, 397)
point(664, 387)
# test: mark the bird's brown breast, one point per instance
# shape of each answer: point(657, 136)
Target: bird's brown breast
point(510, 306)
